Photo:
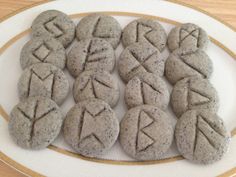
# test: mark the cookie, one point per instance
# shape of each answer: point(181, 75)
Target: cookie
point(96, 84)
point(201, 136)
point(146, 132)
point(99, 26)
point(188, 37)
point(193, 93)
point(43, 50)
point(91, 127)
point(145, 30)
point(90, 54)
point(45, 80)
point(35, 122)
point(147, 89)
point(54, 24)
point(139, 58)
point(181, 64)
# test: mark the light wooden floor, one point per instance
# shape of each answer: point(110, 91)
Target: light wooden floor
point(222, 9)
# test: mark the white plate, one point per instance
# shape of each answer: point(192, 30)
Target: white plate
point(59, 159)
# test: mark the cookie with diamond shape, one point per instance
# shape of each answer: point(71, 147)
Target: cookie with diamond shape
point(43, 50)
point(188, 37)
point(55, 24)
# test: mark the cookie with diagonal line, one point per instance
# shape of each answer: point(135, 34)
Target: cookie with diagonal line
point(147, 89)
point(54, 24)
point(35, 122)
point(90, 54)
point(146, 132)
point(45, 80)
point(181, 64)
point(43, 50)
point(96, 84)
point(193, 93)
point(188, 37)
point(201, 136)
point(91, 127)
point(145, 30)
point(99, 26)
point(139, 58)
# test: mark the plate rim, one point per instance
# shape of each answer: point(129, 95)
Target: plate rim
point(27, 171)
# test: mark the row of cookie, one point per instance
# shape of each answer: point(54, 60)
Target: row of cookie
point(200, 134)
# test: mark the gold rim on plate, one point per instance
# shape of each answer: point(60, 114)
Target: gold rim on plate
point(27, 171)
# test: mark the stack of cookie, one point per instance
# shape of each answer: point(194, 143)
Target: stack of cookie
point(146, 131)
point(37, 120)
point(200, 134)
point(91, 126)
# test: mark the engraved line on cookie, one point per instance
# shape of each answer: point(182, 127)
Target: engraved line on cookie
point(43, 47)
point(95, 27)
point(193, 67)
point(188, 35)
point(53, 28)
point(207, 98)
point(87, 55)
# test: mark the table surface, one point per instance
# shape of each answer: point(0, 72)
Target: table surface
point(224, 10)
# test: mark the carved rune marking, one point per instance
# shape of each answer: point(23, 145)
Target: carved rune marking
point(35, 118)
point(188, 64)
point(90, 55)
point(141, 63)
point(185, 34)
point(47, 82)
point(42, 52)
point(143, 139)
point(85, 132)
point(199, 131)
point(53, 28)
point(90, 85)
point(142, 31)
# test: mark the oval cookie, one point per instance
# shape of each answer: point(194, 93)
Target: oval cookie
point(193, 93)
point(96, 84)
point(43, 80)
point(91, 127)
point(146, 132)
point(201, 136)
point(35, 122)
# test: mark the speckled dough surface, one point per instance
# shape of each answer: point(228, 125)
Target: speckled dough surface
point(96, 84)
point(43, 50)
point(201, 136)
point(35, 122)
point(140, 58)
point(147, 89)
point(99, 26)
point(181, 64)
point(193, 93)
point(43, 80)
point(55, 24)
point(91, 127)
point(90, 54)
point(188, 37)
point(146, 132)
point(145, 30)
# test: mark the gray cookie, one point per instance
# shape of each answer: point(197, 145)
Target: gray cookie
point(146, 132)
point(43, 50)
point(139, 58)
point(147, 89)
point(145, 30)
point(193, 93)
point(181, 64)
point(99, 26)
point(35, 122)
point(43, 80)
point(188, 37)
point(201, 136)
point(91, 127)
point(96, 84)
point(90, 54)
point(55, 24)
